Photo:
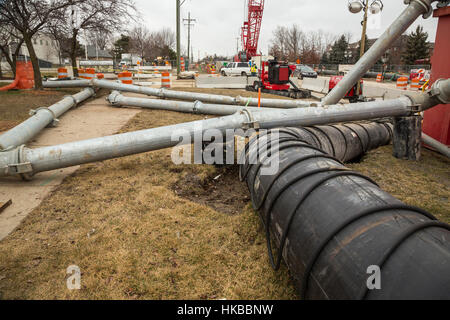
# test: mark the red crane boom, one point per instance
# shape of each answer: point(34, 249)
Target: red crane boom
point(251, 30)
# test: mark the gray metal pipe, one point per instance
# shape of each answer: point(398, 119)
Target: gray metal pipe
point(41, 118)
point(181, 95)
point(67, 84)
point(440, 147)
point(398, 27)
point(197, 107)
point(30, 161)
point(26, 162)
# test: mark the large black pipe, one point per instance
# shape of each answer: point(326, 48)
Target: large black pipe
point(332, 224)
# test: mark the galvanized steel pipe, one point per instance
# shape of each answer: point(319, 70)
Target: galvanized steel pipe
point(440, 147)
point(197, 107)
point(30, 161)
point(398, 27)
point(181, 95)
point(41, 118)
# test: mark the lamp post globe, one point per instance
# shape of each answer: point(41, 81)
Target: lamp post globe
point(376, 7)
point(355, 6)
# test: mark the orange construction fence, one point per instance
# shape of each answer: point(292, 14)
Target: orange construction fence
point(24, 77)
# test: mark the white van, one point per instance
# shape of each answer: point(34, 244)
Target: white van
point(237, 69)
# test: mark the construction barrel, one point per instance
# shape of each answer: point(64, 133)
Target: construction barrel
point(415, 84)
point(165, 80)
point(126, 77)
point(62, 73)
point(402, 83)
point(380, 77)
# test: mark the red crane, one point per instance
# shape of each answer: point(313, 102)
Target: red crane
point(251, 30)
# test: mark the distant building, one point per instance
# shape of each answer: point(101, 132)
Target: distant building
point(95, 53)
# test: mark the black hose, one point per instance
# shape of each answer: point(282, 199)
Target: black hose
point(331, 224)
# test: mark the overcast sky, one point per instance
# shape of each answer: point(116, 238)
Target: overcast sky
point(219, 22)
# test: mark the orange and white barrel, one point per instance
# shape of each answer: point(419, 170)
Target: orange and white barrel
point(165, 80)
point(62, 73)
point(183, 65)
point(81, 73)
point(415, 84)
point(126, 77)
point(100, 76)
point(402, 83)
point(380, 77)
point(89, 74)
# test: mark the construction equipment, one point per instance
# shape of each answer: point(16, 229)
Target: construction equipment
point(351, 95)
point(274, 78)
point(250, 31)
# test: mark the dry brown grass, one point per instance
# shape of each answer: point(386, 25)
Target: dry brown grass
point(425, 183)
point(16, 104)
point(134, 238)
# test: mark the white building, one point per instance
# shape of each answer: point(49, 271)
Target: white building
point(46, 50)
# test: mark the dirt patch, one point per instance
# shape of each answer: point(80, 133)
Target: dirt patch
point(221, 191)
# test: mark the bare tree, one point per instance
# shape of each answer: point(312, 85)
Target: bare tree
point(140, 39)
point(28, 17)
point(10, 44)
point(93, 16)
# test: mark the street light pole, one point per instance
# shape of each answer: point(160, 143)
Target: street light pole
point(363, 39)
point(178, 37)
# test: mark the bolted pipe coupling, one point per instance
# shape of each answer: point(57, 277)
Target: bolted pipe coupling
point(13, 162)
point(426, 4)
point(441, 90)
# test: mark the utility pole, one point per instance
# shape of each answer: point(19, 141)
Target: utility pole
point(189, 24)
point(237, 44)
point(178, 37)
point(363, 40)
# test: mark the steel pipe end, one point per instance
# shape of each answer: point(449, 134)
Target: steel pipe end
point(13, 163)
point(441, 90)
point(113, 98)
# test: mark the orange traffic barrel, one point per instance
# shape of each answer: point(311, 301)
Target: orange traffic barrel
point(100, 76)
point(380, 77)
point(183, 66)
point(62, 73)
point(81, 73)
point(89, 74)
point(415, 84)
point(402, 83)
point(126, 77)
point(165, 80)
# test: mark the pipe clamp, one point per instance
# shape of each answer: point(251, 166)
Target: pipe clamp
point(197, 107)
point(251, 123)
point(75, 102)
point(54, 122)
point(428, 8)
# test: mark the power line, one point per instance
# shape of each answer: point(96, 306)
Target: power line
point(189, 25)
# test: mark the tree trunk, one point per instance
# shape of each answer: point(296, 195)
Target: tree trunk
point(34, 62)
point(12, 63)
point(1, 72)
point(73, 52)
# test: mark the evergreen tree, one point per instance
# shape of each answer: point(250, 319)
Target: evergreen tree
point(121, 46)
point(338, 51)
point(417, 47)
